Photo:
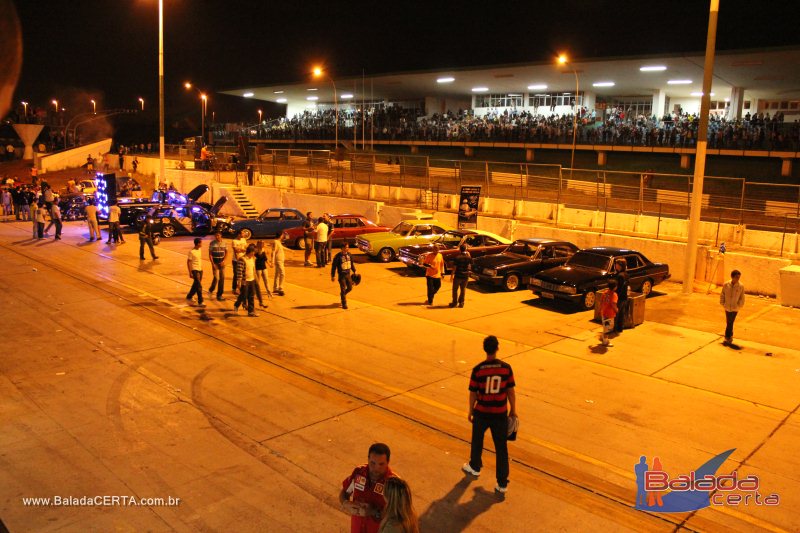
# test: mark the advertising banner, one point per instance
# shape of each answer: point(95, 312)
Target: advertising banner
point(468, 207)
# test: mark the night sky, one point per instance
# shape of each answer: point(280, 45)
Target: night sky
point(107, 50)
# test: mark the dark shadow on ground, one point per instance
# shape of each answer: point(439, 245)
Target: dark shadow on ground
point(326, 306)
point(447, 514)
point(565, 308)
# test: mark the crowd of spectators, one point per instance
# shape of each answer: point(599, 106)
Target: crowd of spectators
point(617, 127)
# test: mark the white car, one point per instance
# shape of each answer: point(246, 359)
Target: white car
point(88, 187)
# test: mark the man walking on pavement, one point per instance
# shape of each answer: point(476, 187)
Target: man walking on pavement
point(91, 220)
point(362, 491)
point(434, 268)
point(491, 388)
point(732, 300)
point(55, 218)
point(194, 263)
point(217, 253)
point(462, 266)
point(146, 237)
point(343, 265)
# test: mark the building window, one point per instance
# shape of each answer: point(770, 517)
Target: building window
point(498, 100)
point(554, 99)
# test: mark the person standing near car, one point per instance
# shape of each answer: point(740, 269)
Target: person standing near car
point(146, 237)
point(434, 268)
point(462, 266)
point(320, 242)
point(194, 263)
point(114, 213)
point(91, 220)
point(329, 242)
point(623, 282)
point(247, 286)
point(343, 265)
point(261, 273)
point(308, 237)
point(217, 253)
point(492, 399)
point(55, 218)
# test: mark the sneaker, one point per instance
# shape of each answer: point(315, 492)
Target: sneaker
point(252, 314)
point(263, 306)
point(141, 259)
point(235, 309)
point(201, 304)
point(344, 306)
point(155, 257)
point(451, 304)
point(461, 305)
point(500, 490)
point(467, 469)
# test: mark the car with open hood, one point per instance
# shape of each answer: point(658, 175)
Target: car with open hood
point(385, 245)
point(512, 268)
point(589, 270)
point(478, 242)
point(346, 228)
point(186, 219)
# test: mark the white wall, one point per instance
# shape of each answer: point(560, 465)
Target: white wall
point(73, 158)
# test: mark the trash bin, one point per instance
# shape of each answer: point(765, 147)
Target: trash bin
point(632, 316)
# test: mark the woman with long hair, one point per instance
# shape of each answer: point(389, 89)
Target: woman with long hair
point(398, 515)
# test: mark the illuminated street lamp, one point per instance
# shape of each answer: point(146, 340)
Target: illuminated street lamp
point(204, 100)
point(55, 103)
point(259, 116)
point(25, 105)
point(318, 73)
point(562, 60)
point(141, 101)
point(94, 107)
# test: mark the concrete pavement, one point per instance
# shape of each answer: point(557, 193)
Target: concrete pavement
point(112, 385)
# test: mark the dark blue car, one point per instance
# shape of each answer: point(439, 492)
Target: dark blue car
point(269, 224)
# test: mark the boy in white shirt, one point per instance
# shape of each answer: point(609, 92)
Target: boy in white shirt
point(194, 263)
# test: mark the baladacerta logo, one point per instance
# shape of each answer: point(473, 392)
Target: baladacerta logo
point(657, 491)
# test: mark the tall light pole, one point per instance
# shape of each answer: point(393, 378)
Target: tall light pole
point(562, 60)
point(203, 99)
point(94, 106)
point(25, 106)
point(690, 259)
point(141, 101)
point(318, 73)
point(162, 172)
point(55, 103)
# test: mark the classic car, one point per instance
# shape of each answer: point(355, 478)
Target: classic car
point(189, 219)
point(269, 224)
point(384, 245)
point(478, 242)
point(131, 208)
point(525, 257)
point(88, 187)
point(346, 228)
point(589, 270)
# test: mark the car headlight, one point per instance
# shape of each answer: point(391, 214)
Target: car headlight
point(536, 282)
point(566, 289)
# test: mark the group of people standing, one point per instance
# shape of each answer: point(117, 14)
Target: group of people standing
point(317, 237)
point(250, 263)
point(379, 501)
point(435, 270)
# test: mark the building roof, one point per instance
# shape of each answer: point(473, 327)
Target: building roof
point(771, 73)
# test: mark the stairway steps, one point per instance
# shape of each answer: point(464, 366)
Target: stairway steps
point(244, 202)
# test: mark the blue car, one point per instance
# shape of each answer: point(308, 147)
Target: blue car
point(269, 224)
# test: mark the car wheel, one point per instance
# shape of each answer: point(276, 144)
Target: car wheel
point(246, 233)
point(300, 243)
point(386, 255)
point(647, 287)
point(167, 231)
point(588, 300)
point(511, 282)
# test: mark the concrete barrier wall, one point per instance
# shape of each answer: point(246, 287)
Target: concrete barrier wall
point(73, 158)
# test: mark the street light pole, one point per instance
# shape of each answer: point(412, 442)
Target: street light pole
point(94, 106)
point(141, 101)
point(203, 99)
point(161, 162)
point(317, 73)
point(562, 59)
point(25, 105)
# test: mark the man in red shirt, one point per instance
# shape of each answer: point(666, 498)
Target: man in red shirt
point(362, 491)
point(491, 389)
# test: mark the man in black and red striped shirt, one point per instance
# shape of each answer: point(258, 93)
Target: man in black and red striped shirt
point(491, 389)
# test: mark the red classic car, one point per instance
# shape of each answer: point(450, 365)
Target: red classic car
point(346, 228)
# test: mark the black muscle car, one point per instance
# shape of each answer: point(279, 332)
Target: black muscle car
point(514, 267)
point(589, 270)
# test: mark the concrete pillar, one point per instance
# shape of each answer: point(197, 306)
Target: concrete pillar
point(28, 133)
point(686, 160)
point(602, 159)
point(659, 102)
point(529, 154)
point(786, 167)
point(414, 149)
point(469, 151)
point(735, 103)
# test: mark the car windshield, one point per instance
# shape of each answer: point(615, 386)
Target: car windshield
point(521, 248)
point(403, 229)
point(589, 260)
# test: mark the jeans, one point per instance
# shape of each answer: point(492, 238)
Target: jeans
point(622, 310)
point(434, 284)
point(238, 272)
point(309, 246)
point(218, 270)
point(197, 288)
point(322, 255)
point(459, 284)
point(498, 424)
point(113, 232)
point(345, 286)
point(730, 317)
point(146, 239)
point(247, 296)
point(280, 274)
